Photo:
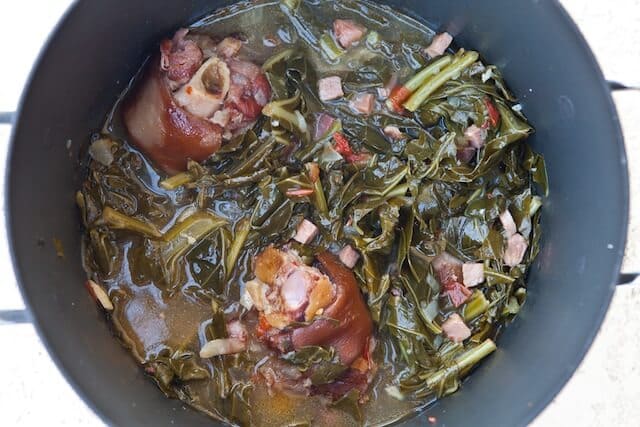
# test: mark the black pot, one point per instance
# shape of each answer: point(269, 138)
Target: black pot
point(100, 44)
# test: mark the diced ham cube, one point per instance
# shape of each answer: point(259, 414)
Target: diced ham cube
point(516, 248)
point(455, 329)
point(323, 124)
point(393, 132)
point(306, 232)
point(447, 267)
point(348, 32)
point(348, 256)
point(449, 272)
point(330, 88)
point(472, 273)
point(439, 44)
point(363, 103)
point(476, 136)
point(508, 223)
point(457, 292)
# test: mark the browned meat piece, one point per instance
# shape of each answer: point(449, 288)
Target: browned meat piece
point(349, 337)
point(287, 290)
point(182, 107)
point(179, 57)
point(167, 133)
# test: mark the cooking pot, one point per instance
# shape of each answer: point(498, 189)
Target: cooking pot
point(97, 48)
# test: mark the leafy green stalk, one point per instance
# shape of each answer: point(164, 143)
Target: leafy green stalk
point(284, 113)
point(451, 71)
point(420, 78)
point(330, 48)
point(461, 364)
point(181, 238)
point(476, 306)
point(318, 191)
point(241, 232)
point(117, 220)
point(292, 5)
point(177, 180)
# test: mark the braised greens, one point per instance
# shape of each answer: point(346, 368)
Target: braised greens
point(175, 251)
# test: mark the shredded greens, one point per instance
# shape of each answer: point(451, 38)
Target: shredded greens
point(400, 200)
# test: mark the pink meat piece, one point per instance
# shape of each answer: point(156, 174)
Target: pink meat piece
point(447, 267)
point(236, 329)
point(330, 88)
point(476, 136)
point(472, 273)
point(228, 47)
point(348, 32)
point(457, 292)
point(249, 92)
point(516, 248)
point(206, 44)
point(508, 223)
point(363, 103)
point(439, 44)
point(466, 154)
point(306, 232)
point(323, 124)
point(455, 329)
point(169, 112)
point(180, 57)
point(393, 132)
point(348, 256)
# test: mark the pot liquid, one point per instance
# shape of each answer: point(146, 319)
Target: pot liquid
point(160, 323)
point(149, 320)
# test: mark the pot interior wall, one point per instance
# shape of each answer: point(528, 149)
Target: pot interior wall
point(99, 46)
